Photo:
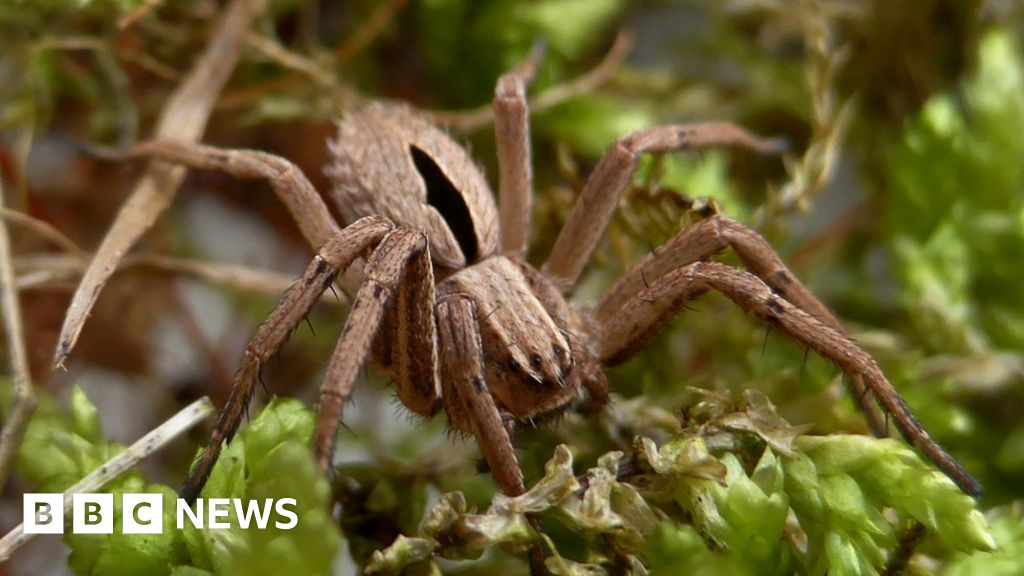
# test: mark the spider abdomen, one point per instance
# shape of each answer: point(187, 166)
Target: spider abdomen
point(388, 161)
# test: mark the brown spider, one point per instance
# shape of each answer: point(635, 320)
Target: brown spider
point(450, 310)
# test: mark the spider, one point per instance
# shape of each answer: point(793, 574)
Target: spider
point(450, 310)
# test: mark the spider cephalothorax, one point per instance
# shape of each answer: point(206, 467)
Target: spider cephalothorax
point(524, 324)
point(524, 327)
point(447, 306)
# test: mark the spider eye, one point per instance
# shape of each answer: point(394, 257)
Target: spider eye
point(448, 201)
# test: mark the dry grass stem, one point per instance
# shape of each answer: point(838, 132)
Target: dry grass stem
point(49, 272)
point(120, 86)
point(137, 14)
point(184, 118)
point(111, 469)
point(469, 120)
point(368, 32)
point(43, 229)
point(289, 60)
point(24, 397)
point(815, 168)
point(34, 272)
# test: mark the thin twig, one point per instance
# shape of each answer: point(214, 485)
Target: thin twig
point(44, 271)
point(234, 276)
point(369, 31)
point(290, 60)
point(833, 233)
point(137, 14)
point(184, 118)
point(300, 69)
point(24, 397)
point(220, 370)
point(809, 175)
point(591, 80)
point(150, 64)
point(469, 120)
point(908, 542)
point(45, 230)
point(151, 442)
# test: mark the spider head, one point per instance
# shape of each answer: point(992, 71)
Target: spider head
point(531, 365)
point(533, 378)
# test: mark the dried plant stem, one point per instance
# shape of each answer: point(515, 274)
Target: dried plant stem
point(234, 276)
point(24, 397)
point(469, 120)
point(45, 230)
point(184, 118)
point(366, 33)
point(137, 14)
point(908, 543)
point(814, 169)
point(44, 271)
point(40, 271)
point(94, 481)
point(289, 60)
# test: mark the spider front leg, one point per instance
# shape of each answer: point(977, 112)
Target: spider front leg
point(401, 263)
point(512, 143)
point(470, 405)
point(645, 312)
point(467, 400)
point(600, 197)
point(395, 249)
point(336, 255)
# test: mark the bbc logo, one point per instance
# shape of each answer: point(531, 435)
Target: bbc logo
point(144, 513)
point(93, 513)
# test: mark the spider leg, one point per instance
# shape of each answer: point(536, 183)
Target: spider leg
point(384, 273)
point(644, 313)
point(600, 197)
point(290, 185)
point(466, 397)
point(467, 400)
point(335, 256)
point(709, 237)
point(407, 340)
point(596, 384)
point(512, 141)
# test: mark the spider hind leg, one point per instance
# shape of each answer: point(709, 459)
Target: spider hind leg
point(645, 312)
